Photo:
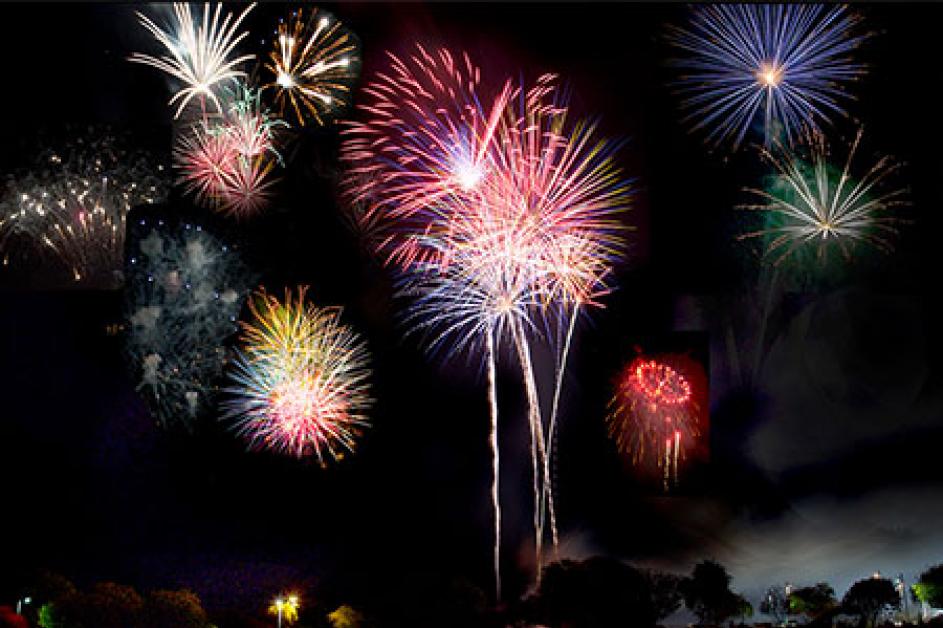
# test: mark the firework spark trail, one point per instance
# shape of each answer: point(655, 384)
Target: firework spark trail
point(561, 362)
point(300, 383)
point(199, 53)
point(538, 451)
point(560, 181)
point(313, 65)
point(793, 61)
point(74, 205)
point(810, 205)
point(495, 460)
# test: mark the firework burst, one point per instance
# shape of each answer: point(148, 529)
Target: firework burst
point(559, 182)
point(200, 52)
point(814, 206)
point(499, 212)
point(74, 204)
point(424, 139)
point(788, 63)
point(299, 385)
point(203, 157)
point(653, 415)
point(313, 66)
point(184, 294)
point(226, 162)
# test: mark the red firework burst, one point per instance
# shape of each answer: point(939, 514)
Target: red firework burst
point(654, 413)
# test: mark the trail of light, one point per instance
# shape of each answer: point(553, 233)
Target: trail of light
point(552, 426)
point(495, 458)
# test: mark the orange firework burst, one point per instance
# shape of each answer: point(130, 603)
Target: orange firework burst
point(313, 66)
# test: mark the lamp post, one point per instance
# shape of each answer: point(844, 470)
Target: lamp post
point(285, 608)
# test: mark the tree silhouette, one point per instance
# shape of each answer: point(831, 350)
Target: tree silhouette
point(814, 601)
point(173, 609)
point(870, 597)
point(666, 594)
point(929, 588)
point(595, 593)
point(707, 594)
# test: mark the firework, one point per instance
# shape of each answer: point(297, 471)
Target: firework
point(226, 162)
point(559, 182)
point(792, 62)
point(200, 52)
point(653, 414)
point(314, 64)
point(247, 188)
point(203, 157)
point(812, 206)
point(73, 206)
point(424, 139)
point(500, 212)
point(185, 291)
point(248, 124)
point(476, 291)
point(299, 385)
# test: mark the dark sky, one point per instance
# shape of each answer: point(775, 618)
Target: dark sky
point(827, 469)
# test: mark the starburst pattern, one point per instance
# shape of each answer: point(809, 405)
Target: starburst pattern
point(313, 66)
point(299, 385)
point(200, 52)
point(787, 63)
point(653, 414)
point(227, 162)
point(811, 205)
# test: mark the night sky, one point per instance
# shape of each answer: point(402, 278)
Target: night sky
point(827, 469)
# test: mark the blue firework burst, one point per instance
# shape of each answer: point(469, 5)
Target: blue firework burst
point(780, 67)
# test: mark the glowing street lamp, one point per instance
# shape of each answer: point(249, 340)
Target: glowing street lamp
point(285, 607)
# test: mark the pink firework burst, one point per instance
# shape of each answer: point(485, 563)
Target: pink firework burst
point(247, 188)
point(203, 158)
point(424, 136)
point(227, 162)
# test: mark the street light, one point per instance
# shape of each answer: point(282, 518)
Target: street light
point(285, 608)
point(21, 603)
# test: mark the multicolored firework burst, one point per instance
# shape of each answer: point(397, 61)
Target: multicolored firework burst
point(300, 383)
point(653, 414)
point(314, 64)
point(184, 294)
point(200, 52)
point(499, 213)
point(790, 61)
point(813, 206)
point(227, 161)
point(560, 181)
point(424, 139)
point(73, 206)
